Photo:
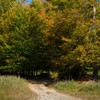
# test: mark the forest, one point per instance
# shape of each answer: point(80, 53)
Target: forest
point(55, 36)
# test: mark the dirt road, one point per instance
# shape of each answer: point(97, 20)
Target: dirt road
point(45, 93)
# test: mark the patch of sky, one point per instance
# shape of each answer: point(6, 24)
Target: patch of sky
point(29, 1)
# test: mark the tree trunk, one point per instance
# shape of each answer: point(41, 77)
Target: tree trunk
point(95, 73)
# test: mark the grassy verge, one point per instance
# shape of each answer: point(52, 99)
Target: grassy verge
point(13, 88)
point(85, 90)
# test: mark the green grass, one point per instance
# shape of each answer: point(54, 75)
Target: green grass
point(13, 88)
point(85, 90)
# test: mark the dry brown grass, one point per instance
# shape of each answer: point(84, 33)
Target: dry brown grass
point(13, 88)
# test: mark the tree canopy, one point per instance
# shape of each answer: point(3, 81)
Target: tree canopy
point(57, 35)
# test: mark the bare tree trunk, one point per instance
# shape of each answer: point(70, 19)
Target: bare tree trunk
point(95, 73)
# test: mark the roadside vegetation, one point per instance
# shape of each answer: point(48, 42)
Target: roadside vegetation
point(13, 88)
point(87, 90)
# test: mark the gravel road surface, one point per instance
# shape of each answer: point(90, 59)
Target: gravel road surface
point(45, 93)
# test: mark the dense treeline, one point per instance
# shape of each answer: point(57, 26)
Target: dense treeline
point(54, 36)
